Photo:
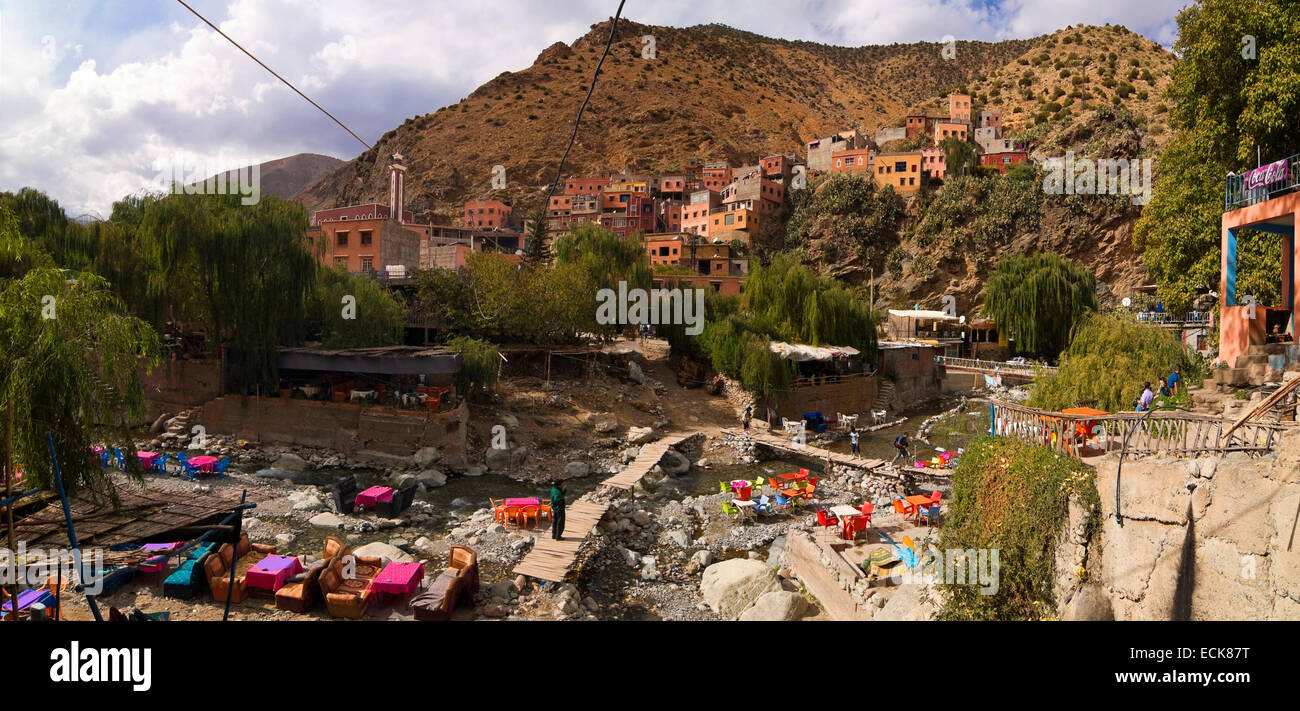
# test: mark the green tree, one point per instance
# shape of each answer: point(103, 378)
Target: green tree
point(69, 369)
point(1224, 108)
point(1038, 298)
point(373, 316)
point(478, 367)
point(1108, 360)
point(959, 156)
point(849, 217)
point(537, 249)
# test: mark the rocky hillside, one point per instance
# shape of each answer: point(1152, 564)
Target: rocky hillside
point(711, 92)
point(286, 177)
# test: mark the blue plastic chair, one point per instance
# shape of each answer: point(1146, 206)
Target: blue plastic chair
point(764, 505)
point(782, 501)
point(160, 464)
point(220, 467)
point(121, 460)
point(931, 514)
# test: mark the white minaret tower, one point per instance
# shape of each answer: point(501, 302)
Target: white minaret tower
point(396, 187)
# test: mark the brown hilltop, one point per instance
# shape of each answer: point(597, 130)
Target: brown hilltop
point(712, 92)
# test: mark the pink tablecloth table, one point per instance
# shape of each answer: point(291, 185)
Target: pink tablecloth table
point(398, 578)
point(272, 572)
point(374, 495)
point(147, 459)
point(204, 463)
point(526, 501)
point(157, 563)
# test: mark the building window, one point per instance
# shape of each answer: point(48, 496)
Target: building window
point(367, 263)
point(366, 237)
point(342, 239)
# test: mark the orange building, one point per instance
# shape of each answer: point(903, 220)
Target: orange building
point(959, 107)
point(576, 185)
point(949, 129)
point(487, 214)
point(669, 250)
point(695, 214)
point(1003, 161)
point(859, 159)
point(901, 170)
point(743, 222)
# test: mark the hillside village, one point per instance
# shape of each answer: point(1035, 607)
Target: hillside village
point(402, 360)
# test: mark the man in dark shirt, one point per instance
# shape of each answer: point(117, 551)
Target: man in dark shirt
point(901, 444)
point(557, 510)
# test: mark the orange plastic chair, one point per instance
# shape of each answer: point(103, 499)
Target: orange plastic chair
point(511, 515)
point(498, 510)
point(527, 512)
point(544, 509)
point(808, 491)
point(900, 507)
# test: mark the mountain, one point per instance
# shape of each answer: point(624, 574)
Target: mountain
point(710, 92)
point(286, 177)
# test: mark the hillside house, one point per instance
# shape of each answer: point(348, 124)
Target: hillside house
point(901, 170)
point(487, 214)
point(860, 159)
point(819, 151)
point(1004, 160)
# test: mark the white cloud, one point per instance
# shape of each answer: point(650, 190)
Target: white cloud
point(87, 113)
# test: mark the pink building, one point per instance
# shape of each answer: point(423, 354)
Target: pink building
point(695, 214)
point(934, 163)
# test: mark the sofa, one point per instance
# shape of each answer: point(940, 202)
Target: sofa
point(402, 499)
point(217, 568)
point(348, 595)
point(455, 585)
point(189, 578)
point(344, 493)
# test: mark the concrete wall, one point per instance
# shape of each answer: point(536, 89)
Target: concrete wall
point(1217, 552)
point(826, 575)
point(350, 429)
point(179, 385)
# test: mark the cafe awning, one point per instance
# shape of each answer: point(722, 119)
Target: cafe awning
point(799, 352)
point(922, 314)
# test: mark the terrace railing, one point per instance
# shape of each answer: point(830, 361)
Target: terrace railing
point(1260, 184)
point(1167, 319)
point(1169, 431)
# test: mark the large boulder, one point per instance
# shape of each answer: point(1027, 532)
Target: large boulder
point(425, 456)
point(431, 479)
point(577, 469)
point(603, 422)
point(674, 463)
point(640, 435)
point(291, 462)
point(327, 520)
point(731, 586)
point(1090, 604)
point(498, 459)
point(634, 372)
point(388, 552)
point(776, 607)
point(297, 477)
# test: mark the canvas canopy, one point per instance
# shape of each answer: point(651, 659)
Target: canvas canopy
point(922, 314)
point(800, 352)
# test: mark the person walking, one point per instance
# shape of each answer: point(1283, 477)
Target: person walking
point(853, 440)
point(557, 510)
point(1175, 379)
point(901, 443)
point(744, 420)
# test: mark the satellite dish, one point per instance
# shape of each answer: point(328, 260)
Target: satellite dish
point(1127, 302)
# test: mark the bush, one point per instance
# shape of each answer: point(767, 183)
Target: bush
point(1013, 497)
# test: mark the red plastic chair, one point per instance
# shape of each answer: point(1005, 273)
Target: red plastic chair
point(826, 520)
point(803, 474)
point(935, 496)
point(866, 510)
point(743, 493)
point(860, 524)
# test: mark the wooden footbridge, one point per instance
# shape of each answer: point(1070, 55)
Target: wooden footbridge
point(1175, 432)
point(876, 466)
point(993, 368)
point(551, 559)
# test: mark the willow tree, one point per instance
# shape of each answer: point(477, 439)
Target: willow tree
point(243, 271)
point(1038, 298)
point(69, 369)
point(790, 303)
point(1108, 360)
point(354, 311)
point(607, 261)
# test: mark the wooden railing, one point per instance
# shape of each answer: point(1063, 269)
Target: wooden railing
point(1172, 432)
point(992, 366)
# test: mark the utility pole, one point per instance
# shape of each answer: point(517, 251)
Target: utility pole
point(9, 508)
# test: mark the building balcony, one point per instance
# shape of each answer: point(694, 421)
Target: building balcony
point(1263, 183)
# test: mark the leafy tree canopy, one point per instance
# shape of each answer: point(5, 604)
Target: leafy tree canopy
point(1038, 298)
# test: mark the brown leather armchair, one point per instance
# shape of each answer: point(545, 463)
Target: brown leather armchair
point(217, 568)
point(458, 583)
point(348, 596)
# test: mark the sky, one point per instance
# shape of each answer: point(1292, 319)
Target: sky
point(102, 98)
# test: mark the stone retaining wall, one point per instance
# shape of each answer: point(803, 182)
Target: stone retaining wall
point(346, 428)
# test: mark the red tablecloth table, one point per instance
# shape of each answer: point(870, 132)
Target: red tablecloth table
point(272, 572)
point(525, 501)
point(374, 495)
point(398, 578)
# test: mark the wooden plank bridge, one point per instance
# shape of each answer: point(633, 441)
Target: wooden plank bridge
point(876, 466)
point(550, 559)
point(1174, 432)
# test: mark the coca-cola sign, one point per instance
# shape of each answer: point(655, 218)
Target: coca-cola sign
point(1266, 174)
